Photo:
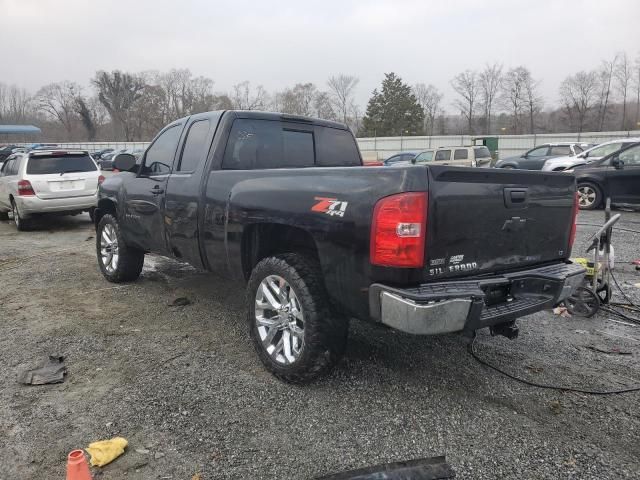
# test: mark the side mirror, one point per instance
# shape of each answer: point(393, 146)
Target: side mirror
point(617, 163)
point(125, 162)
point(413, 161)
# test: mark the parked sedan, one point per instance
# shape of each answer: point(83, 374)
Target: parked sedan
point(97, 155)
point(616, 176)
point(588, 156)
point(403, 157)
point(535, 158)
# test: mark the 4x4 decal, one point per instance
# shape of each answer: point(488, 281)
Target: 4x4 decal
point(330, 206)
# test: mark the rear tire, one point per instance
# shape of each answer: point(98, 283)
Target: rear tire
point(293, 330)
point(117, 261)
point(589, 196)
point(21, 224)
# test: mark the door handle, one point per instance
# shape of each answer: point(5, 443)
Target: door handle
point(157, 190)
point(516, 197)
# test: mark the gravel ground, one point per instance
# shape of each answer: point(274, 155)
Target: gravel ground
point(184, 386)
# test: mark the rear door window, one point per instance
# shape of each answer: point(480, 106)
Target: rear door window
point(59, 163)
point(7, 167)
point(336, 148)
point(461, 154)
point(482, 152)
point(560, 150)
point(260, 144)
point(443, 155)
point(538, 152)
point(195, 146)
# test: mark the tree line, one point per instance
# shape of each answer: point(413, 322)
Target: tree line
point(493, 100)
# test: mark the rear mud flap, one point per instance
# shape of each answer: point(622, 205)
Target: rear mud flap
point(421, 469)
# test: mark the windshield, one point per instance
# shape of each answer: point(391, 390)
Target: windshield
point(49, 164)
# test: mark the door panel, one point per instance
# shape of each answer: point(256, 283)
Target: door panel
point(535, 159)
point(184, 189)
point(144, 221)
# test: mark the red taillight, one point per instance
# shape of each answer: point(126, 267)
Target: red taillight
point(25, 188)
point(398, 230)
point(100, 179)
point(576, 208)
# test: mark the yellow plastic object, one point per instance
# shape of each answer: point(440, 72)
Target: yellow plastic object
point(106, 451)
point(586, 263)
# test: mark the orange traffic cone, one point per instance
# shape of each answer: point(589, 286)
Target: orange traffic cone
point(77, 467)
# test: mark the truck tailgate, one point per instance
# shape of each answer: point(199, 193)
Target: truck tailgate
point(492, 220)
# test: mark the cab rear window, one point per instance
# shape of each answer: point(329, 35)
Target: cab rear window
point(51, 164)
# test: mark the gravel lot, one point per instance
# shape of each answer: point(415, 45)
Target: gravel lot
point(184, 386)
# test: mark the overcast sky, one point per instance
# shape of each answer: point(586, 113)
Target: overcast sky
point(279, 43)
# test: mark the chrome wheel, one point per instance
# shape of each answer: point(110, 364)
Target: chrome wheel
point(279, 320)
point(109, 248)
point(587, 196)
point(16, 215)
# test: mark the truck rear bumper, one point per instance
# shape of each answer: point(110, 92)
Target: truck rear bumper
point(468, 305)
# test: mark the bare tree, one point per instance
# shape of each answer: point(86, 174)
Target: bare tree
point(429, 98)
point(466, 85)
point(58, 101)
point(514, 95)
point(15, 103)
point(578, 94)
point(118, 92)
point(297, 100)
point(244, 98)
point(87, 116)
point(342, 90)
point(623, 76)
point(532, 99)
point(637, 89)
point(322, 106)
point(182, 94)
point(605, 75)
point(490, 80)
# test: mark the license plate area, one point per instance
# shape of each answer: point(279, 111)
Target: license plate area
point(66, 185)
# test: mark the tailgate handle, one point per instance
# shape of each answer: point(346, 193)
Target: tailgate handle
point(516, 197)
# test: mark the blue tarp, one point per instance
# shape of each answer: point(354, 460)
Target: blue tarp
point(20, 129)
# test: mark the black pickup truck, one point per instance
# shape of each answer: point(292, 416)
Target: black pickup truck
point(283, 204)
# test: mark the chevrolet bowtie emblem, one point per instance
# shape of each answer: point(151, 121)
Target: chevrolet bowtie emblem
point(514, 224)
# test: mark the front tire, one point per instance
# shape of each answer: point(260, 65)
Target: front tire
point(117, 261)
point(4, 215)
point(589, 196)
point(293, 330)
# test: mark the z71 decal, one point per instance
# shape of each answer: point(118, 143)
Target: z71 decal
point(330, 206)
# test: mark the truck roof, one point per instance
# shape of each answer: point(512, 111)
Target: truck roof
point(258, 114)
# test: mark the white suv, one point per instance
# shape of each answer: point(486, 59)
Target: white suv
point(47, 181)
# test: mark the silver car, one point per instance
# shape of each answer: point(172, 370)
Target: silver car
point(47, 181)
point(559, 164)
